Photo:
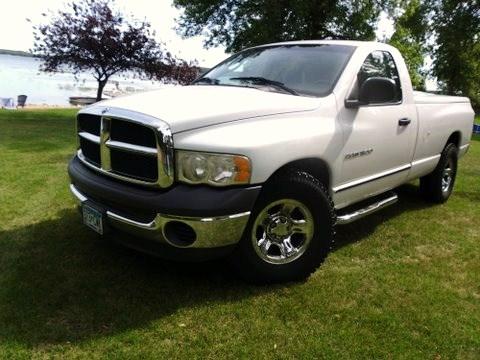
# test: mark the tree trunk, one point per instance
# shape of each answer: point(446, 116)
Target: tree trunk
point(101, 85)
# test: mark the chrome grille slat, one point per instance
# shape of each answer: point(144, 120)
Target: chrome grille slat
point(105, 160)
point(90, 137)
point(132, 148)
point(126, 170)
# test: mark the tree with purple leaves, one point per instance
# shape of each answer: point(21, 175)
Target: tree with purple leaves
point(90, 35)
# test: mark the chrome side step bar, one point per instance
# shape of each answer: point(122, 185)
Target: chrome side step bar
point(370, 209)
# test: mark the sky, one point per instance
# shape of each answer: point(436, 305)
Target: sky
point(16, 32)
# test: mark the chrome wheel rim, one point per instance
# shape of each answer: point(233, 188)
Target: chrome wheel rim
point(447, 177)
point(282, 231)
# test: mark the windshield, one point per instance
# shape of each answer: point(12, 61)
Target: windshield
point(309, 70)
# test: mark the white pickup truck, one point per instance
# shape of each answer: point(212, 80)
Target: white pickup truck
point(260, 158)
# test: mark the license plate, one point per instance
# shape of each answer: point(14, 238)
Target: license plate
point(93, 219)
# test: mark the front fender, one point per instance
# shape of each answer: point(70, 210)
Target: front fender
point(271, 141)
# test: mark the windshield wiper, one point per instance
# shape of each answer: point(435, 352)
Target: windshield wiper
point(206, 80)
point(264, 81)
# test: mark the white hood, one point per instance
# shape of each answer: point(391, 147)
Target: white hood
point(190, 107)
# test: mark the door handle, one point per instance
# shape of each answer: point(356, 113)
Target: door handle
point(404, 122)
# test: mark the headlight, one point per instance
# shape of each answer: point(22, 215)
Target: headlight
point(212, 169)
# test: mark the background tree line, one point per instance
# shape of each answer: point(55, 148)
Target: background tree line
point(446, 31)
point(92, 35)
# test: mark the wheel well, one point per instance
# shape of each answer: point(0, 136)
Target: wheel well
point(454, 139)
point(314, 166)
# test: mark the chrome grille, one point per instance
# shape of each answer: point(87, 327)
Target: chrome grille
point(126, 145)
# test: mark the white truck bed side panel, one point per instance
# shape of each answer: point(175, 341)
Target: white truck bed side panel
point(429, 98)
point(437, 123)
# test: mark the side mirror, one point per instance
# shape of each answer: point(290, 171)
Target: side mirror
point(374, 90)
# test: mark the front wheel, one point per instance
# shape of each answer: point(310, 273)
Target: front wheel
point(290, 231)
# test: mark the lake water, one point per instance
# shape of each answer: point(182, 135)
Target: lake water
point(21, 75)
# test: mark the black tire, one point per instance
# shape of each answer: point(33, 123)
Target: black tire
point(434, 187)
point(296, 187)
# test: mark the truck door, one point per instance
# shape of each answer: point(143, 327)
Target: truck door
point(379, 139)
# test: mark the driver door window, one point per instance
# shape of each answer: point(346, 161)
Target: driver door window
point(380, 64)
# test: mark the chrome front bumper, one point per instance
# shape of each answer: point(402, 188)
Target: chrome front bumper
point(210, 232)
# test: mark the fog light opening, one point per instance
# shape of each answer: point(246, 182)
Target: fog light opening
point(179, 234)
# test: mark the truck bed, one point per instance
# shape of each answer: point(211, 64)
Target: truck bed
point(421, 97)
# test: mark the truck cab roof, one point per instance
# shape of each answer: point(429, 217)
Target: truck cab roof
point(364, 44)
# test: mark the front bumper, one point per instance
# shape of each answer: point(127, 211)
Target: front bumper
point(183, 217)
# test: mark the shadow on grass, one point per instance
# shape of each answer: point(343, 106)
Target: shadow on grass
point(62, 284)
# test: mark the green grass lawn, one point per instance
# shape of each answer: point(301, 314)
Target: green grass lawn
point(403, 283)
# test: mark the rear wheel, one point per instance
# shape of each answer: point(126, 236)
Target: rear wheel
point(438, 186)
point(290, 231)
